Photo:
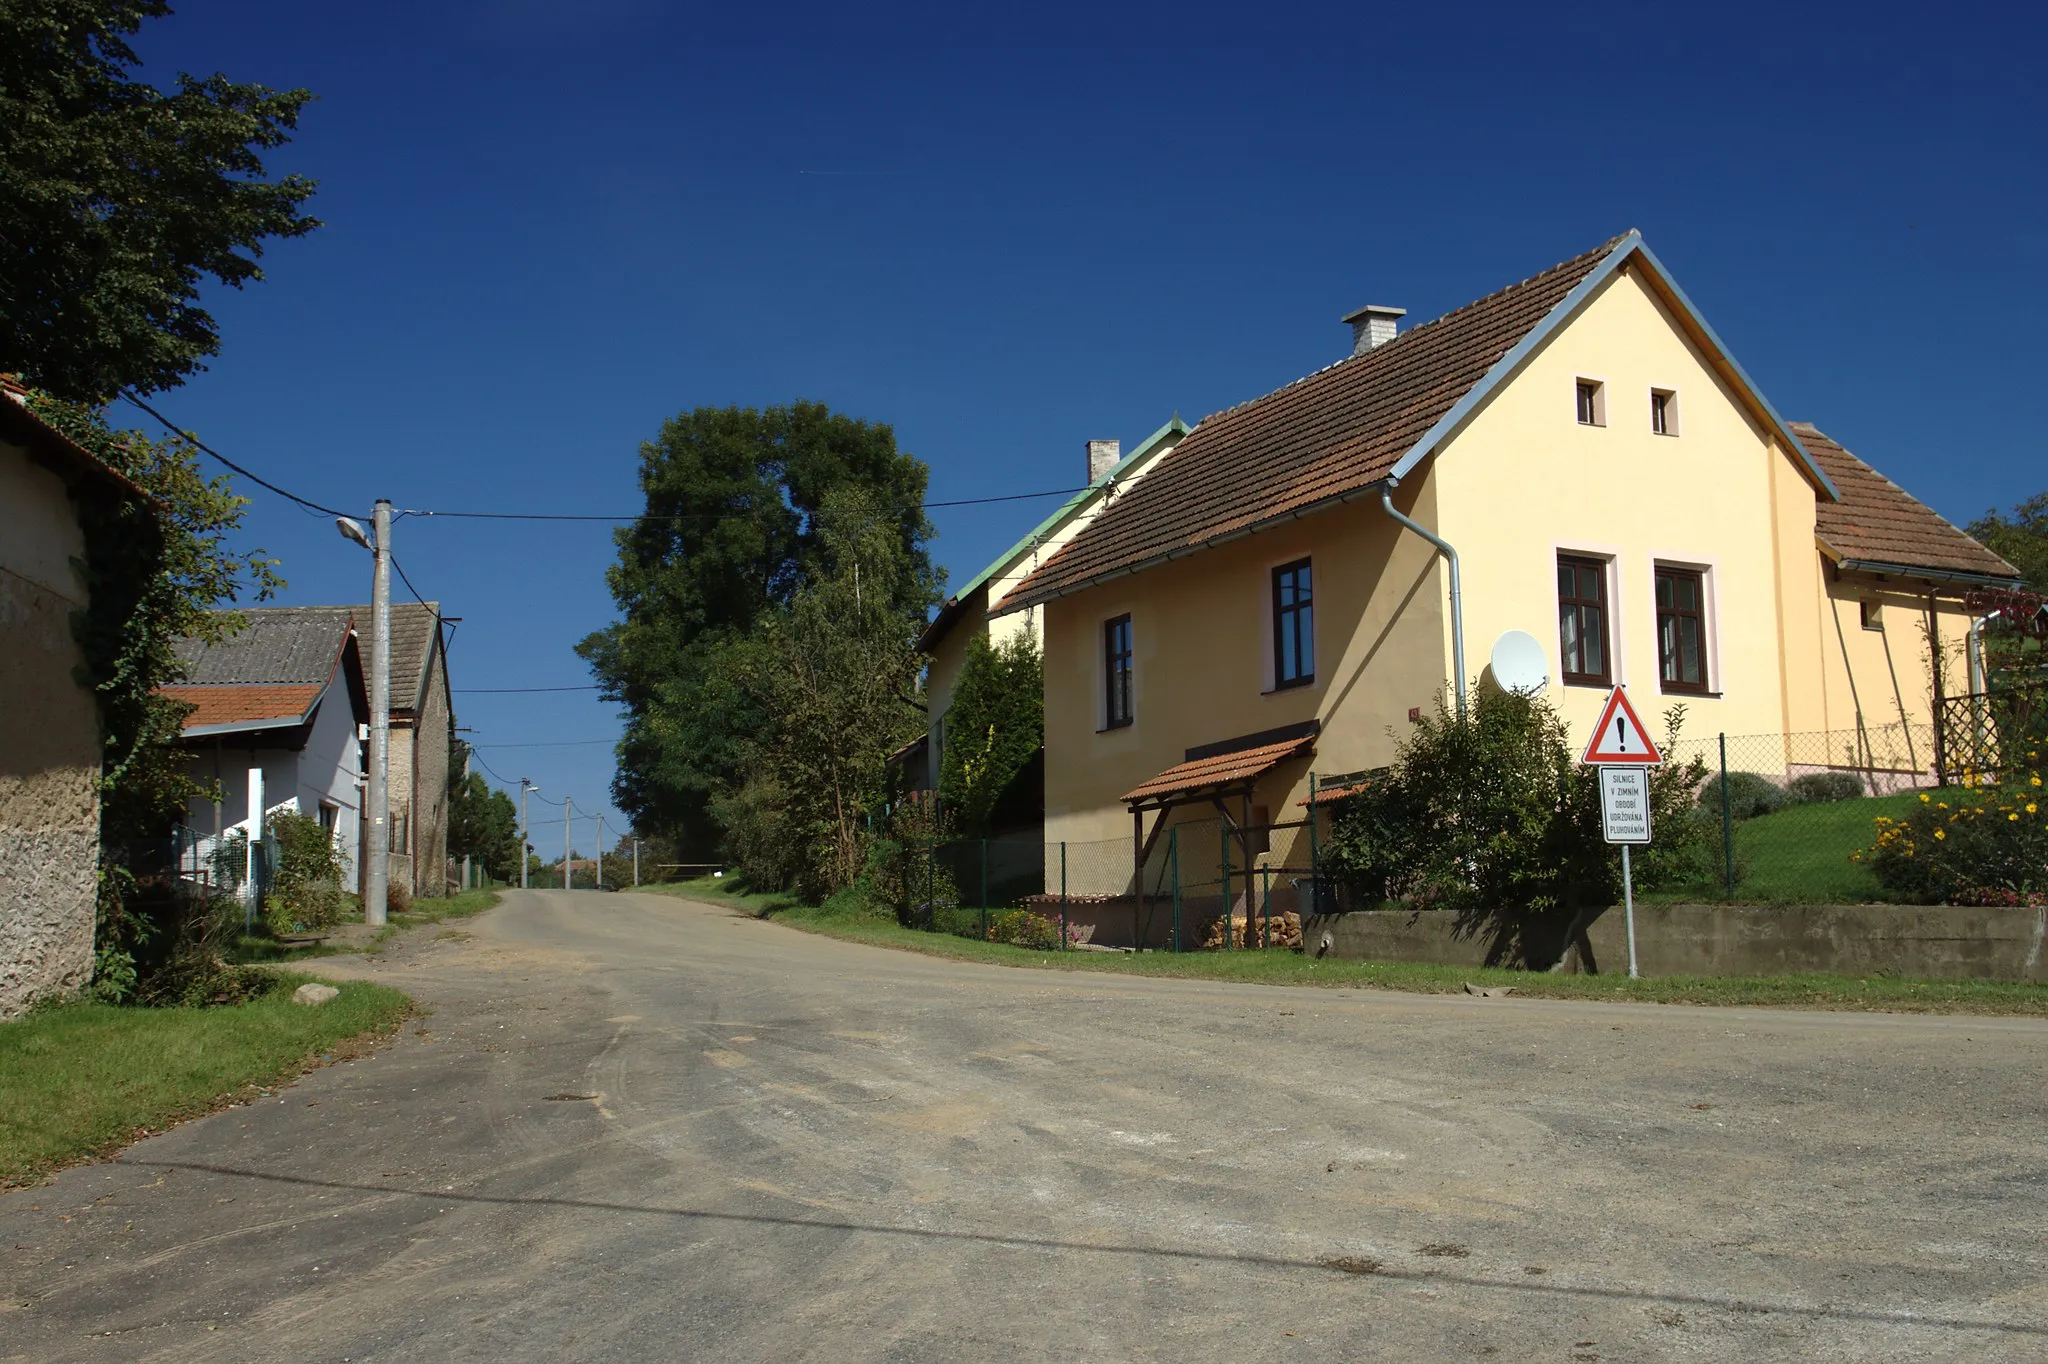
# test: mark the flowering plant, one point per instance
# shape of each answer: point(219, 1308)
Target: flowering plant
point(1986, 843)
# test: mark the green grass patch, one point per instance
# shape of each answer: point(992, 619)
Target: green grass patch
point(425, 911)
point(1805, 991)
point(733, 892)
point(82, 1080)
point(1801, 855)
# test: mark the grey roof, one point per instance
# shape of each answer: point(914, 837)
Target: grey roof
point(413, 627)
point(280, 644)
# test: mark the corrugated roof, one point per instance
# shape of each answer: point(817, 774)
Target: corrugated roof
point(279, 645)
point(1223, 769)
point(245, 703)
point(1338, 430)
point(1878, 522)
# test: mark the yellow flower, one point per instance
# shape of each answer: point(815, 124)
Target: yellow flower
point(2031, 807)
point(2036, 780)
point(1924, 797)
point(2014, 818)
point(1941, 833)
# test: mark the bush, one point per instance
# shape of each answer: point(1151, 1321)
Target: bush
point(1023, 928)
point(1821, 788)
point(1969, 844)
point(397, 898)
point(1750, 794)
point(305, 886)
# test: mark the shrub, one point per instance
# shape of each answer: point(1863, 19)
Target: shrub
point(1821, 788)
point(397, 898)
point(1024, 928)
point(305, 886)
point(1968, 844)
point(1749, 794)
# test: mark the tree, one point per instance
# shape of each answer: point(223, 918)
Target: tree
point(995, 728)
point(733, 533)
point(117, 197)
point(2021, 539)
point(833, 675)
point(483, 824)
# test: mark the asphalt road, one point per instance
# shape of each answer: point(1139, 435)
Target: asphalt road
point(634, 1127)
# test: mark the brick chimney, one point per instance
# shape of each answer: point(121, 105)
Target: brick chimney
point(1373, 326)
point(1102, 457)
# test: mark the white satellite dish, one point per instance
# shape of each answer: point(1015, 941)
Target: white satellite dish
point(1519, 664)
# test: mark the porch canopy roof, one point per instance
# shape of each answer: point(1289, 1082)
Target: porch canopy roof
point(1217, 773)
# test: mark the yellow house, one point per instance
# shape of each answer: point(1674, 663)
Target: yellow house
point(1571, 480)
point(967, 614)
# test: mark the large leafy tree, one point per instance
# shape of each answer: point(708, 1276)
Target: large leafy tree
point(734, 531)
point(117, 198)
point(2020, 538)
point(482, 823)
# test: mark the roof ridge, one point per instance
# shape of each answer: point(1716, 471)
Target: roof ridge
point(1423, 327)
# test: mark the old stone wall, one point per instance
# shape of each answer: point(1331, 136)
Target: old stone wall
point(430, 786)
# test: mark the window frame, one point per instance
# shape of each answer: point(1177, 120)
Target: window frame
point(1112, 718)
point(1699, 613)
point(1870, 614)
point(1663, 411)
point(1300, 617)
point(1582, 387)
point(1604, 604)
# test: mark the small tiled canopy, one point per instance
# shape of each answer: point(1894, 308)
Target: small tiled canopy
point(1222, 772)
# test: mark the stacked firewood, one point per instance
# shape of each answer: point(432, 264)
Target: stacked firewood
point(1285, 924)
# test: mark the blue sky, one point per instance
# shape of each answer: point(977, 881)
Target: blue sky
point(1005, 231)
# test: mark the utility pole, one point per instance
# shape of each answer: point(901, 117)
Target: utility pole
point(597, 821)
point(525, 833)
point(636, 861)
point(377, 889)
point(568, 809)
point(465, 782)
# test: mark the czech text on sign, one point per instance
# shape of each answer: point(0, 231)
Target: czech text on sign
point(1620, 736)
point(1625, 804)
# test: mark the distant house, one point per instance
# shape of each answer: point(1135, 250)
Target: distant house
point(974, 611)
point(279, 723)
point(1626, 507)
point(50, 754)
point(422, 731)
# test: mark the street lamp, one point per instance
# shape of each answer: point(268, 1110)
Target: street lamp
point(377, 876)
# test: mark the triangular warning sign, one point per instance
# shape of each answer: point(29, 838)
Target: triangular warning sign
point(1619, 739)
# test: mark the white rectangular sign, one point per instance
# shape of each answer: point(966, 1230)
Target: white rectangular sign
point(1625, 804)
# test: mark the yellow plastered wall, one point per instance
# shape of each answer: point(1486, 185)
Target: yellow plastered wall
point(1525, 480)
point(1201, 638)
point(1878, 679)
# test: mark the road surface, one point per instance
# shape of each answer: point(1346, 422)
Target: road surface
point(633, 1127)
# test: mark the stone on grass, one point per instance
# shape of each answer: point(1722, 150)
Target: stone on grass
point(309, 993)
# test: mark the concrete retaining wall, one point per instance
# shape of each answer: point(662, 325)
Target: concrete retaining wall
point(1932, 942)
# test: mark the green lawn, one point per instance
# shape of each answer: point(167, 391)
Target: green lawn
point(1801, 855)
point(1292, 968)
point(81, 1080)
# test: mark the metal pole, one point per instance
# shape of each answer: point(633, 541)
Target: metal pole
point(599, 822)
point(1173, 858)
point(984, 890)
point(1727, 823)
point(1266, 903)
point(1628, 901)
point(636, 861)
point(1450, 556)
point(1225, 874)
point(568, 808)
point(525, 833)
point(1315, 860)
point(377, 886)
point(1063, 895)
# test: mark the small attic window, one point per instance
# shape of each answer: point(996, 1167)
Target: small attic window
point(1872, 613)
point(1592, 403)
point(1663, 412)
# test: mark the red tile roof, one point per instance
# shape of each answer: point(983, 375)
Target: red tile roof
point(1878, 522)
point(1224, 769)
point(240, 705)
point(1339, 430)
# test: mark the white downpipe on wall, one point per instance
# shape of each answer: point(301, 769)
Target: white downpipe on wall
point(1450, 555)
point(255, 829)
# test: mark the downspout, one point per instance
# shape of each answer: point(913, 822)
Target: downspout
point(1450, 555)
point(1977, 673)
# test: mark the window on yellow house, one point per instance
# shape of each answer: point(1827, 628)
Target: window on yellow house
point(1582, 621)
point(1592, 403)
point(1116, 672)
point(1294, 626)
point(1663, 412)
point(1682, 629)
point(1872, 613)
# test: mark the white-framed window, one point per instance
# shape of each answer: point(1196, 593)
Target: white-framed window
point(1663, 412)
point(1592, 402)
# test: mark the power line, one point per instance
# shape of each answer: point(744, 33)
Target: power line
point(521, 691)
point(553, 743)
point(408, 582)
point(709, 515)
point(257, 479)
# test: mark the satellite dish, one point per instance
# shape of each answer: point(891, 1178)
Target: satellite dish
point(1519, 664)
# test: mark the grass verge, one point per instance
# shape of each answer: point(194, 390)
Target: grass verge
point(1805, 991)
point(82, 1080)
point(424, 911)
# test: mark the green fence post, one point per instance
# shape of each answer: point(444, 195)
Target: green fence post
point(984, 890)
point(1173, 860)
point(1266, 905)
point(1063, 895)
point(1225, 876)
point(1315, 860)
point(1727, 824)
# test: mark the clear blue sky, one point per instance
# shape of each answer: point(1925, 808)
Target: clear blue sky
point(550, 226)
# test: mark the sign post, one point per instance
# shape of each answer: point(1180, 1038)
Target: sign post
point(1624, 753)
